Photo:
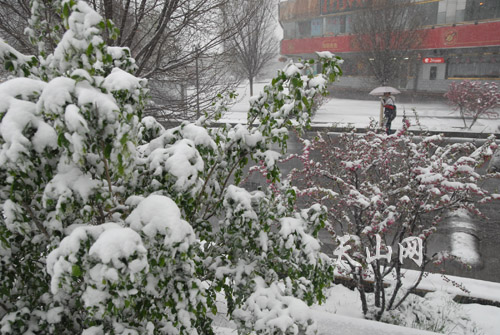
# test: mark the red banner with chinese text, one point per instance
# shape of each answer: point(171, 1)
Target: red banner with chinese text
point(461, 36)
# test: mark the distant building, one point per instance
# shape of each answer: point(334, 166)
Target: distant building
point(462, 39)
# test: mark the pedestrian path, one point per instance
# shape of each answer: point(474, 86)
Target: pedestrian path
point(342, 113)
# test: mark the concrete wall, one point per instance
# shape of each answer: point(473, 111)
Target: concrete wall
point(361, 83)
point(451, 11)
point(425, 83)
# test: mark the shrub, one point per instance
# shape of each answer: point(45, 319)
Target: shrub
point(385, 196)
point(113, 224)
point(474, 99)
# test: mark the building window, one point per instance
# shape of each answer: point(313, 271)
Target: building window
point(482, 9)
point(289, 30)
point(429, 12)
point(317, 27)
point(305, 29)
point(474, 66)
point(335, 25)
point(433, 73)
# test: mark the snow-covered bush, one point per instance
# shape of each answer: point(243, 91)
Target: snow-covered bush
point(474, 99)
point(386, 196)
point(112, 224)
point(435, 312)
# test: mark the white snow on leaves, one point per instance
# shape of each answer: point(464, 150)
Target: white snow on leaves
point(160, 215)
point(19, 115)
point(270, 309)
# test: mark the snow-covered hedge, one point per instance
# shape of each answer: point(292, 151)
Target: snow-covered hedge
point(112, 224)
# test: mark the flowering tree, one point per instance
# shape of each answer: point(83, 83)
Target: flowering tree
point(112, 224)
point(474, 99)
point(386, 196)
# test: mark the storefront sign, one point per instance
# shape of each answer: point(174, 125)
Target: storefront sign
point(337, 6)
point(432, 60)
point(464, 36)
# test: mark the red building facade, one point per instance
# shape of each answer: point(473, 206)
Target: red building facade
point(461, 38)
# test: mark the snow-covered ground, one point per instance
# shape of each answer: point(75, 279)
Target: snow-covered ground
point(345, 112)
point(341, 314)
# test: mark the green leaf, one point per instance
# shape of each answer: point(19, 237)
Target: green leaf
point(66, 10)
point(62, 140)
point(108, 58)
point(76, 271)
point(9, 66)
point(121, 168)
point(124, 139)
point(107, 150)
point(90, 49)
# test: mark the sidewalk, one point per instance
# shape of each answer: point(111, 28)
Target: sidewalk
point(339, 114)
point(436, 117)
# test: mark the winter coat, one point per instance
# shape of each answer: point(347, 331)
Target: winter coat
point(389, 107)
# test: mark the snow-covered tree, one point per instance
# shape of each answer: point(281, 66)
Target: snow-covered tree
point(474, 99)
point(386, 196)
point(112, 224)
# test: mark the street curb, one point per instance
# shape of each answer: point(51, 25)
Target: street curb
point(332, 129)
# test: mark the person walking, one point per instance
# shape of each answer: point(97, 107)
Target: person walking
point(389, 103)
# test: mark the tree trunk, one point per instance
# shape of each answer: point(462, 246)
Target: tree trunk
point(358, 278)
point(108, 14)
point(462, 114)
point(250, 80)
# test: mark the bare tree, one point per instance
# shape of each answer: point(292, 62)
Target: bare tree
point(175, 43)
point(386, 32)
point(255, 44)
point(14, 17)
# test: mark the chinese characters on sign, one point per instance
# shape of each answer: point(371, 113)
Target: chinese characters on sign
point(411, 247)
point(330, 45)
point(433, 60)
